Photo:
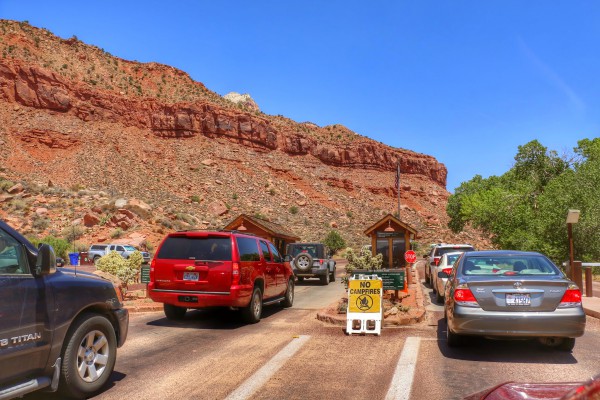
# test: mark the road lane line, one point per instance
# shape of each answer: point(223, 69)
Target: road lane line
point(260, 377)
point(405, 371)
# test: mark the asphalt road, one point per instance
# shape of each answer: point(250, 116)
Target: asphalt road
point(291, 355)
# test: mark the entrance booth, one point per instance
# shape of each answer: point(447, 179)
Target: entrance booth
point(277, 234)
point(391, 237)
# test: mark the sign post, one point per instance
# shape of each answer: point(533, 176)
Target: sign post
point(411, 257)
point(365, 311)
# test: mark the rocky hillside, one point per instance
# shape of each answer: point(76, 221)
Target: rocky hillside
point(131, 150)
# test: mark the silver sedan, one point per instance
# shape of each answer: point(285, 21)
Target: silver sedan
point(511, 294)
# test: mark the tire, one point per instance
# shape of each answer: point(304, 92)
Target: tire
point(453, 339)
point(562, 344)
point(252, 312)
point(567, 344)
point(289, 294)
point(332, 277)
point(96, 258)
point(94, 337)
point(304, 262)
point(439, 298)
point(325, 279)
point(174, 313)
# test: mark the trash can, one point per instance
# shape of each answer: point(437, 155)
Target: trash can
point(74, 258)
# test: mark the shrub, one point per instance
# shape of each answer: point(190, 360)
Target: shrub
point(61, 247)
point(293, 210)
point(40, 223)
point(126, 270)
point(363, 260)
point(195, 199)
point(72, 233)
point(334, 241)
point(117, 233)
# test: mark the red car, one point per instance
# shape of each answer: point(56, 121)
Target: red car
point(200, 269)
point(589, 390)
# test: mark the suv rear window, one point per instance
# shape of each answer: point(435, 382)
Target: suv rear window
point(98, 247)
point(440, 251)
point(196, 248)
point(305, 248)
point(248, 249)
point(517, 265)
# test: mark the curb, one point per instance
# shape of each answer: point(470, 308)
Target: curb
point(591, 313)
point(412, 318)
point(142, 308)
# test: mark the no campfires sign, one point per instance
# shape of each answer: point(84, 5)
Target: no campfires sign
point(364, 296)
point(410, 256)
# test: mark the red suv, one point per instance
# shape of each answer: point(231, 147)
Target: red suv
point(199, 269)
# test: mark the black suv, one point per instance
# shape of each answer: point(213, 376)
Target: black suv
point(59, 329)
point(311, 260)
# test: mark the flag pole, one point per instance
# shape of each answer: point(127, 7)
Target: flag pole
point(398, 184)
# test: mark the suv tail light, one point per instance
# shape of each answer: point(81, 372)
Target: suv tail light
point(436, 260)
point(152, 266)
point(571, 298)
point(235, 273)
point(464, 297)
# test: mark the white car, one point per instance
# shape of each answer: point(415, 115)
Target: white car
point(445, 265)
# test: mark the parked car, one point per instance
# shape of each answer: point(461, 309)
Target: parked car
point(436, 253)
point(588, 390)
point(60, 262)
point(310, 260)
point(441, 272)
point(126, 251)
point(96, 251)
point(512, 294)
point(58, 330)
point(200, 269)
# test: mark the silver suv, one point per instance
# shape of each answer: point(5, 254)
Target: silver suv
point(311, 260)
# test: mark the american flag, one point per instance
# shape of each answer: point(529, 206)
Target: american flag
point(397, 184)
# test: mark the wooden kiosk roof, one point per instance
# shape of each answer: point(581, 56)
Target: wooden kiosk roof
point(269, 227)
point(393, 222)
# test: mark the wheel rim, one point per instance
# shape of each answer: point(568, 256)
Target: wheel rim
point(303, 263)
point(290, 292)
point(256, 306)
point(92, 356)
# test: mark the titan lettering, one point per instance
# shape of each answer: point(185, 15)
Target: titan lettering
point(21, 339)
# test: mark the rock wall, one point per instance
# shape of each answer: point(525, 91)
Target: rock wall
point(35, 86)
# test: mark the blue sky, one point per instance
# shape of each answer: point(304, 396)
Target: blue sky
point(464, 81)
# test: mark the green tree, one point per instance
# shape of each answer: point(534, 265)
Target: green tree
point(334, 241)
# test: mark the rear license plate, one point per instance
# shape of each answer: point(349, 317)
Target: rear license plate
point(518, 299)
point(188, 299)
point(191, 276)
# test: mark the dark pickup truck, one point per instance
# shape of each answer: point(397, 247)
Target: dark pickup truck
point(59, 329)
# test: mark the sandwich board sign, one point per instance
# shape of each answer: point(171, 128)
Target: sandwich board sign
point(364, 314)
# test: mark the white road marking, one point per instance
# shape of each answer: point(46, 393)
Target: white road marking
point(260, 377)
point(402, 380)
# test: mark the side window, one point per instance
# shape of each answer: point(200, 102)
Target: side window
point(120, 248)
point(276, 256)
point(265, 250)
point(248, 249)
point(12, 256)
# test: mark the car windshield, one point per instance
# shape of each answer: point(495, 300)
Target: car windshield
point(443, 250)
point(509, 265)
point(308, 248)
point(196, 248)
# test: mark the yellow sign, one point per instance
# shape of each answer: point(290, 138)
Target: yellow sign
point(364, 296)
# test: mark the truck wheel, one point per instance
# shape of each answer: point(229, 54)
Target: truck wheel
point(252, 312)
point(89, 356)
point(96, 258)
point(174, 313)
point(325, 278)
point(289, 294)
